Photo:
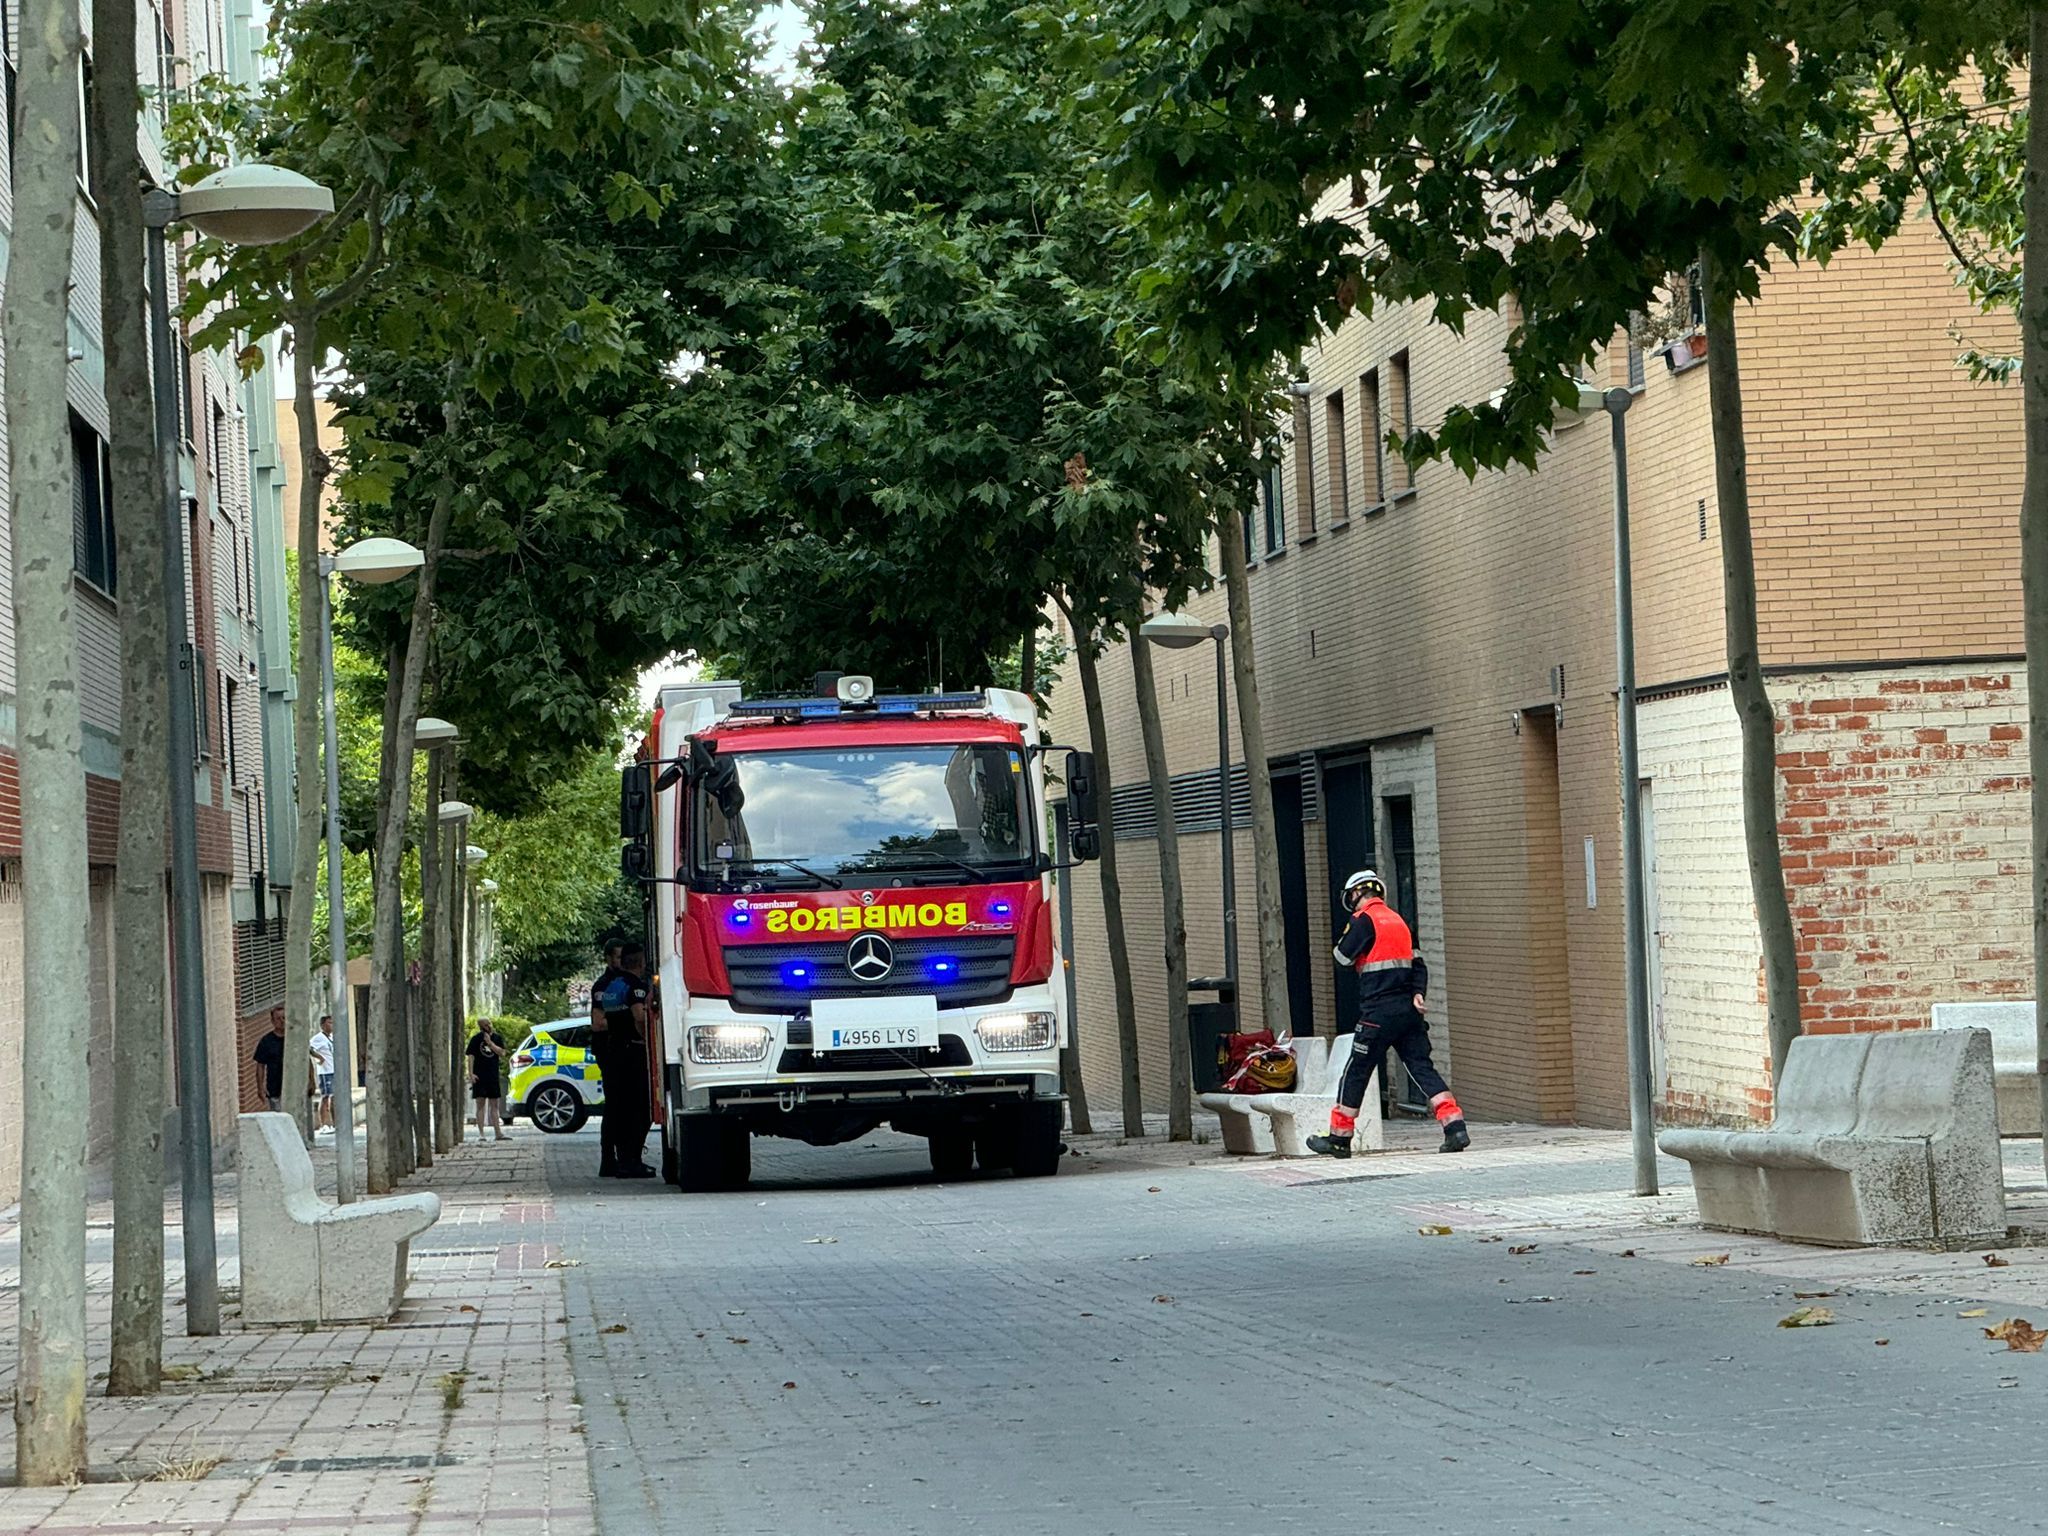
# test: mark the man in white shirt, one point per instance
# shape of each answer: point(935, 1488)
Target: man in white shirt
point(323, 1066)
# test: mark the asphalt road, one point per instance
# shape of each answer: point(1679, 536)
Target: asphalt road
point(851, 1347)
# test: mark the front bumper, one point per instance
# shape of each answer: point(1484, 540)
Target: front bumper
point(792, 1076)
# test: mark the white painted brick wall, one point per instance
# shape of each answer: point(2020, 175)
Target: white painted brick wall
point(1707, 1014)
point(1408, 767)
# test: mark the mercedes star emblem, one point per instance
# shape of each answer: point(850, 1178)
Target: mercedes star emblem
point(869, 957)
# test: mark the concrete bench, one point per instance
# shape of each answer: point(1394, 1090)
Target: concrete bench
point(1878, 1139)
point(305, 1261)
point(1297, 1116)
point(1248, 1135)
point(2015, 1062)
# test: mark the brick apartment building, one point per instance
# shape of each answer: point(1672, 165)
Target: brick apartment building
point(1436, 660)
point(232, 477)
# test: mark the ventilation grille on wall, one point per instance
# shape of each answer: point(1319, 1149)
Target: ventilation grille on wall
point(1194, 802)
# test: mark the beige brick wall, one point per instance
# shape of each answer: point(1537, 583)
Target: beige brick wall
point(1883, 488)
point(1886, 486)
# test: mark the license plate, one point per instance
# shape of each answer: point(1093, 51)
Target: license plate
point(874, 1024)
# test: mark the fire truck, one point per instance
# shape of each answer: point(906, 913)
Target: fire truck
point(850, 915)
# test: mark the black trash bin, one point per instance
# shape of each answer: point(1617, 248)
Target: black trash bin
point(1208, 1023)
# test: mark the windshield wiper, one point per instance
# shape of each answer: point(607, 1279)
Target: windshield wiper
point(979, 871)
point(802, 869)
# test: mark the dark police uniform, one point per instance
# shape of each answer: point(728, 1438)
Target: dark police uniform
point(621, 1050)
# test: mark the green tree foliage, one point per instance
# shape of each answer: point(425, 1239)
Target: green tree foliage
point(966, 418)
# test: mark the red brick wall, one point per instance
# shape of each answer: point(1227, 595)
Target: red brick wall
point(103, 821)
point(1905, 806)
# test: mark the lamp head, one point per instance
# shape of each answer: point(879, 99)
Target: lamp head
point(254, 204)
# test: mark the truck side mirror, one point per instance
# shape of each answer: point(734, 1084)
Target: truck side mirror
point(634, 861)
point(1081, 788)
point(1086, 843)
point(634, 803)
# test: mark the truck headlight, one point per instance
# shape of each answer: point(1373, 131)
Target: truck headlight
point(1016, 1031)
point(726, 1044)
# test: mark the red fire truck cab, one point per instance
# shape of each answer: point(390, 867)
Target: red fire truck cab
point(850, 915)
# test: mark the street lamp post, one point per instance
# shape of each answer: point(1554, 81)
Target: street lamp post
point(1176, 632)
point(453, 816)
point(438, 737)
point(1641, 1114)
point(372, 562)
point(243, 205)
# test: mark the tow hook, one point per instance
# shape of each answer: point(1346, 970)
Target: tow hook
point(788, 1099)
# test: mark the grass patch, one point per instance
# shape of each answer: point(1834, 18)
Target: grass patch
point(452, 1386)
point(189, 1468)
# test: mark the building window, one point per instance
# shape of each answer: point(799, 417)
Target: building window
point(166, 67)
point(84, 122)
point(1372, 424)
point(1276, 510)
point(185, 412)
point(1401, 409)
point(227, 729)
point(1304, 467)
point(1338, 446)
point(1251, 551)
point(92, 506)
point(1635, 354)
point(7, 57)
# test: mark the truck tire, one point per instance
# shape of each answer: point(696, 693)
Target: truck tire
point(1038, 1145)
point(995, 1147)
point(952, 1152)
point(710, 1154)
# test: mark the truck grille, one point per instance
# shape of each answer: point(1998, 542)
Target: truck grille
point(761, 980)
point(951, 1051)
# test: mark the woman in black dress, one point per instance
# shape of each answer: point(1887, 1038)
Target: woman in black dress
point(486, 1082)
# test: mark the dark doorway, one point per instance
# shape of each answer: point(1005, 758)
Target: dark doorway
point(1401, 855)
point(1287, 813)
point(1348, 834)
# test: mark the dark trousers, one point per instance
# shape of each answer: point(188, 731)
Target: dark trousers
point(1404, 1032)
point(626, 1119)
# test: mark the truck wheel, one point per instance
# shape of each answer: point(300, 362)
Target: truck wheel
point(710, 1154)
point(952, 1152)
point(1038, 1145)
point(995, 1147)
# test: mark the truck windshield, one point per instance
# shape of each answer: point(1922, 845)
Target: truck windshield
point(906, 808)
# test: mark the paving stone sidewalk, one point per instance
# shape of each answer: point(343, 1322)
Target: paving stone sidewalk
point(459, 1415)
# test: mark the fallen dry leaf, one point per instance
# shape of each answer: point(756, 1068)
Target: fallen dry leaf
point(613, 1328)
point(1974, 1312)
point(1712, 1261)
point(1164, 1301)
point(1626, 1253)
point(1808, 1317)
point(1993, 1261)
point(1496, 1238)
point(563, 1264)
point(790, 1386)
point(1432, 1231)
point(1812, 1295)
point(1523, 1248)
point(1585, 1271)
point(466, 1307)
point(2020, 1336)
point(731, 1340)
point(1155, 1188)
point(821, 1239)
point(1881, 1342)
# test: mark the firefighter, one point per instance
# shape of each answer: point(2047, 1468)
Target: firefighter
point(620, 1016)
point(1393, 984)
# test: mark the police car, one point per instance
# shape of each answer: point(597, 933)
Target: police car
point(555, 1080)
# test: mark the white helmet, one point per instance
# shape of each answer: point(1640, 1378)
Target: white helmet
point(1374, 886)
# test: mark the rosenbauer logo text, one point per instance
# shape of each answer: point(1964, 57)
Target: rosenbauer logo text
point(846, 919)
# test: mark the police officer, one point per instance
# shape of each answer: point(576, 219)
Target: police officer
point(1393, 984)
point(619, 1017)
